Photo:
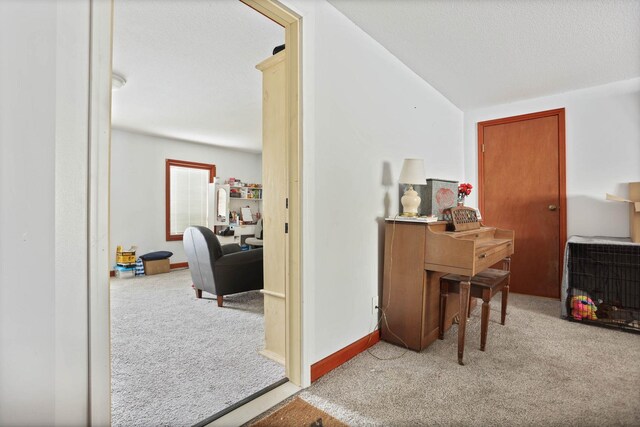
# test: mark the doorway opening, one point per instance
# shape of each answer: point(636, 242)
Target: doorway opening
point(99, 293)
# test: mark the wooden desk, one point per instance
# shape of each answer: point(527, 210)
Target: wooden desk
point(416, 256)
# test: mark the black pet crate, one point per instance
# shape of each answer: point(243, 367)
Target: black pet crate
point(607, 277)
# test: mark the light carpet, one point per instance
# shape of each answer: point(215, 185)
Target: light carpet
point(537, 370)
point(177, 360)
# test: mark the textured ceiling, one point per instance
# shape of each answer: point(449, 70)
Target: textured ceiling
point(480, 53)
point(190, 69)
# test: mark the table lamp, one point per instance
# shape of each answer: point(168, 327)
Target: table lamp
point(412, 173)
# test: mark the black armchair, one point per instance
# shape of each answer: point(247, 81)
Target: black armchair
point(221, 270)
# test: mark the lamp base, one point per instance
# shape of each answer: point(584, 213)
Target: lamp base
point(410, 202)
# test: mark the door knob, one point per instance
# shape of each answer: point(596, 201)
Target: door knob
point(552, 207)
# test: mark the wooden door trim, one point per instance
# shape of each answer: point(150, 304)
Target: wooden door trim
point(562, 172)
point(291, 22)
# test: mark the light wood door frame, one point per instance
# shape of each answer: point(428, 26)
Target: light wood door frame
point(274, 208)
point(99, 121)
point(293, 295)
point(560, 113)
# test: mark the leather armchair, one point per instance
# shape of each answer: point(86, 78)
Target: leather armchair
point(221, 270)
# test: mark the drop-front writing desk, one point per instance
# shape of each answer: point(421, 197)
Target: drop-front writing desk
point(416, 255)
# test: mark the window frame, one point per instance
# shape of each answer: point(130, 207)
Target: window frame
point(187, 164)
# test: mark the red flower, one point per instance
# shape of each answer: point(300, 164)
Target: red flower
point(464, 189)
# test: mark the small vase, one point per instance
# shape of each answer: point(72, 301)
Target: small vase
point(460, 201)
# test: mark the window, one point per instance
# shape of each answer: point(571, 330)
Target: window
point(187, 186)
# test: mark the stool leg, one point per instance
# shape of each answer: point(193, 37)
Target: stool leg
point(484, 325)
point(506, 265)
point(464, 304)
point(505, 298)
point(444, 294)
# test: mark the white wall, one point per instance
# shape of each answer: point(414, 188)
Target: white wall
point(363, 113)
point(602, 151)
point(138, 186)
point(43, 212)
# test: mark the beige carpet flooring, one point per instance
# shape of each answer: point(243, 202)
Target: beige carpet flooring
point(538, 370)
point(177, 360)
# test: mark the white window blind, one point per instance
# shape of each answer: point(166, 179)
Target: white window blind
point(188, 198)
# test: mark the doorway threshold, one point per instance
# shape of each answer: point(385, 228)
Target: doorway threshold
point(252, 406)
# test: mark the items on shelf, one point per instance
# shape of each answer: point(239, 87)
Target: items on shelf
point(228, 201)
point(244, 215)
point(240, 190)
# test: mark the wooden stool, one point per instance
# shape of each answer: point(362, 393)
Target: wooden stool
point(483, 285)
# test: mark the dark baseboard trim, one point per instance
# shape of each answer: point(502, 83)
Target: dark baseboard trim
point(336, 359)
point(112, 273)
point(244, 401)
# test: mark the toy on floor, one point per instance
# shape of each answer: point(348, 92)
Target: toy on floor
point(582, 307)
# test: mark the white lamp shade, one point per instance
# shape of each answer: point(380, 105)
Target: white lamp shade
point(413, 172)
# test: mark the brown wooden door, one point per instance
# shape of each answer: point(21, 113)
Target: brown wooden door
point(522, 188)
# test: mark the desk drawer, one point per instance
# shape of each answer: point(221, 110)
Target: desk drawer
point(489, 255)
